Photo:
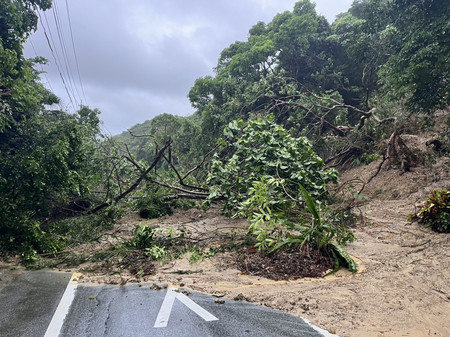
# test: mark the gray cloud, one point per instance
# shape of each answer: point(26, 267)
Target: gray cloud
point(139, 58)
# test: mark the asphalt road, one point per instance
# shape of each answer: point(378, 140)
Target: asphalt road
point(29, 301)
point(43, 303)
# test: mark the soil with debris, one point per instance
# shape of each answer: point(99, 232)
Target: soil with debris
point(286, 263)
point(402, 287)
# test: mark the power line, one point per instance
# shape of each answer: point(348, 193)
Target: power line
point(74, 51)
point(43, 72)
point(65, 58)
point(71, 77)
point(61, 57)
point(54, 54)
point(40, 65)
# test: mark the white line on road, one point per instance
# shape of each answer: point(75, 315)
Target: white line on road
point(207, 316)
point(54, 328)
point(166, 308)
point(164, 313)
point(323, 332)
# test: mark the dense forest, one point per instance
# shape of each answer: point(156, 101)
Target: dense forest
point(300, 98)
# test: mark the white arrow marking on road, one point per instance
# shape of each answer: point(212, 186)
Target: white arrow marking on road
point(166, 308)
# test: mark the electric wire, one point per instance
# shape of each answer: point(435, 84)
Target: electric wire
point(54, 54)
point(62, 45)
point(43, 72)
point(56, 57)
point(73, 85)
point(74, 51)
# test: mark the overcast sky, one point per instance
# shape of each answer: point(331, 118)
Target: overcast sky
point(139, 58)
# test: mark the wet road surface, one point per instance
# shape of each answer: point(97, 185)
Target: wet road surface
point(43, 303)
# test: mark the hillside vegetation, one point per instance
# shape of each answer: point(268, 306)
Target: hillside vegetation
point(297, 99)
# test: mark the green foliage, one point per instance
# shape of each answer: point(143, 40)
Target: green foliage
point(156, 253)
point(146, 237)
point(17, 20)
point(321, 233)
point(378, 51)
point(342, 258)
point(261, 149)
point(198, 253)
point(143, 237)
point(20, 91)
point(46, 170)
point(28, 238)
point(436, 212)
point(298, 68)
point(151, 240)
point(269, 177)
point(293, 46)
point(369, 158)
point(418, 68)
point(398, 48)
point(340, 220)
point(80, 229)
point(150, 244)
point(162, 244)
point(154, 206)
point(153, 201)
point(364, 50)
point(388, 55)
point(143, 140)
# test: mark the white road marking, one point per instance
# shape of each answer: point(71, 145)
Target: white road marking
point(166, 308)
point(54, 328)
point(323, 332)
point(164, 313)
point(207, 316)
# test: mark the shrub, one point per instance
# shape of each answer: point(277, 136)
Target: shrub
point(262, 150)
point(369, 158)
point(436, 212)
point(278, 183)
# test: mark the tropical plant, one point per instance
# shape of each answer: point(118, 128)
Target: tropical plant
point(269, 177)
point(435, 213)
point(261, 149)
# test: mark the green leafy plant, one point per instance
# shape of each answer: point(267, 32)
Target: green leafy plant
point(261, 148)
point(198, 253)
point(436, 212)
point(369, 158)
point(270, 177)
point(263, 209)
point(143, 237)
point(156, 243)
point(152, 205)
point(156, 253)
point(321, 234)
point(342, 258)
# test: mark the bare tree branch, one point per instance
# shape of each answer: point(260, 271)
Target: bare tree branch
point(181, 179)
point(136, 183)
point(201, 163)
